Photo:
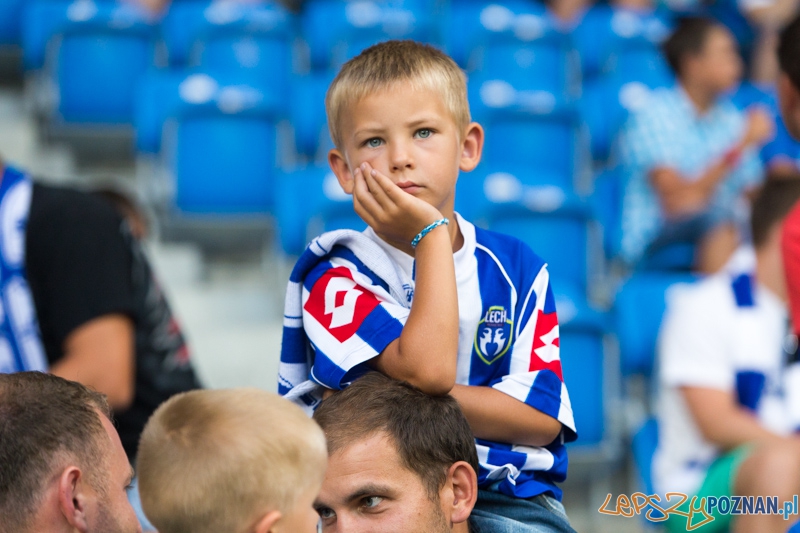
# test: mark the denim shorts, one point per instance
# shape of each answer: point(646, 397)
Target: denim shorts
point(497, 513)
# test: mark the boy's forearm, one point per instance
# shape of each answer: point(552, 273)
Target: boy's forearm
point(496, 416)
point(426, 352)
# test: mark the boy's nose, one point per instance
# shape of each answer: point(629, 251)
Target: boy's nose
point(401, 159)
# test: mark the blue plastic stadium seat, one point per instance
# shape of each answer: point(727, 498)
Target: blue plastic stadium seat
point(581, 333)
point(606, 201)
point(224, 165)
point(528, 128)
point(644, 445)
point(308, 113)
point(639, 310)
point(310, 201)
point(102, 51)
point(467, 26)
point(11, 22)
point(553, 222)
point(225, 147)
point(337, 30)
point(162, 94)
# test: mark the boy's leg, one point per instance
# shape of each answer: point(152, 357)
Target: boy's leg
point(772, 469)
point(498, 513)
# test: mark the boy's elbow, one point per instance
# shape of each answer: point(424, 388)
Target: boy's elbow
point(435, 383)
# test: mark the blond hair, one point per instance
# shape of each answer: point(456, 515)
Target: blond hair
point(218, 460)
point(384, 64)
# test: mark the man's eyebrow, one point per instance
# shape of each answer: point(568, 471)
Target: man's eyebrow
point(373, 489)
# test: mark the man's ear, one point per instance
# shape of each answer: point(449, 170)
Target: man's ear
point(73, 499)
point(471, 147)
point(342, 170)
point(461, 476)
point(267, 523)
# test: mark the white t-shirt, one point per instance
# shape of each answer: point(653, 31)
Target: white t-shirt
point(725, 332)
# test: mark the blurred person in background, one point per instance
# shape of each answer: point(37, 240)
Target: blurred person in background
point(62, 466)
point(689, 155)
point(789, 101)
point(725, 427)
point(80, 301)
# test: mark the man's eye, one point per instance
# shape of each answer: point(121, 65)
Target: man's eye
point(424, 133)
point(374, 142)
point(372, 501)
point(326, 514)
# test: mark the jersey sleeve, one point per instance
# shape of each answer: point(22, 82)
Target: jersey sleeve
point(535, 375)
point(691, 350)
point(348, 320)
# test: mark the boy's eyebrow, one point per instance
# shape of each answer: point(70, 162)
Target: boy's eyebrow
point(411, 124)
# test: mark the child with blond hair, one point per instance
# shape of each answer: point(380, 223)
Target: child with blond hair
point(424, 296)
point(242, 460)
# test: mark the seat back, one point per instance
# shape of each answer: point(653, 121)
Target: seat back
point(639, 308)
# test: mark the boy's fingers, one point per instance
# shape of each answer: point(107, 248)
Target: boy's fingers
point(389, 189)
point(377, 189)
point(363, 196)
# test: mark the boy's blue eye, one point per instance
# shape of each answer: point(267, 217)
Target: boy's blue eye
point(424, 133)
point(374, 142)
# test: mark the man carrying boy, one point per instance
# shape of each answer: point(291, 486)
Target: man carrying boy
point(424, 296)
point(400, 461)
point(231, 460)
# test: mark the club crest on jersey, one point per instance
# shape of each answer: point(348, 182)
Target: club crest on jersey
point(493, 335)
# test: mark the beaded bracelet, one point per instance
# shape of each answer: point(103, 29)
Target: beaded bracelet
point(427, 229)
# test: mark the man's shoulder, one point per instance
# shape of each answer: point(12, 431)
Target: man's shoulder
point(55, 206)
point(710, 297)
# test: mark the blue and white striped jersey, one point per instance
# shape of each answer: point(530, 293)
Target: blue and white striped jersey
point(355, 301)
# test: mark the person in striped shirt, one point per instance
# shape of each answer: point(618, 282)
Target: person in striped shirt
point(424, 296)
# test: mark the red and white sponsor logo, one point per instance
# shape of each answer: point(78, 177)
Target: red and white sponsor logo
point(545, 352)
point(339, 304)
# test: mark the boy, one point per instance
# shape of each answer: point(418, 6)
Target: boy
point(422, 295)
point(231, 460)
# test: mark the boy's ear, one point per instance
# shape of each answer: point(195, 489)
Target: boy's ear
point(464, 482)
point(267, 523)
point(471, 147)
point(340, 167)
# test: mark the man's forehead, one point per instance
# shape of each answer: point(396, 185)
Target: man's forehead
point(368, 462)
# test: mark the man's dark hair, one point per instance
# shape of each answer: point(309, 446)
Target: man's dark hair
point(430, 433)
point(689, 38)
point(789, 51)
point(44, 421)
point(772, 205)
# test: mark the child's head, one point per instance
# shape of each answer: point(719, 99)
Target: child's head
point(240, 460)
point(385, 65)
point(402, 107)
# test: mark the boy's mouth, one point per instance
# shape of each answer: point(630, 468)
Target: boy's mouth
point(409, 186)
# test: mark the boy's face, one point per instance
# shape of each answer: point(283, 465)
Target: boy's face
point(411, 137)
